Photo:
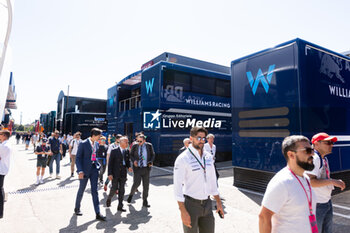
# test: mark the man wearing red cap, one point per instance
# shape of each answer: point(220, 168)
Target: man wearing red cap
point(321, 181)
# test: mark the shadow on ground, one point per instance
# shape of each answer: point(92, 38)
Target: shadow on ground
point(73, 225)
point(161, 180)
point(67, 181)
point(131, 221)
point(32, 187)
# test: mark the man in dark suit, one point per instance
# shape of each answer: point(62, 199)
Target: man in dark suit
point(87, 168)
point(142, 155)
point(119, 162)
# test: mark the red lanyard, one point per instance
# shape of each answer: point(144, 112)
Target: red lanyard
point(326, 167)
point(309, 201)
point(93, 146)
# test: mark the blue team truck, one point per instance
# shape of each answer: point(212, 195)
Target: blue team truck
point(166, 98)
point(294, 88)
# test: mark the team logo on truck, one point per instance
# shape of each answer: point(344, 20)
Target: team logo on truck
point(261, 78)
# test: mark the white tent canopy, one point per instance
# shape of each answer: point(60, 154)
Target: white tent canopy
point(5, 30)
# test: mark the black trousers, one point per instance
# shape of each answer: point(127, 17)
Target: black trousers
point(103, 168)
point(141, 173)
point(64, 150)
point(202, 219)
point(118, 183)
point(2, 195)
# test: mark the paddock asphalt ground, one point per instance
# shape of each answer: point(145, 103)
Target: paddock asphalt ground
point(49, 207)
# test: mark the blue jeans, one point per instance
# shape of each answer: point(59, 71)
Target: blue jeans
point(56, 157)
point(324, 217)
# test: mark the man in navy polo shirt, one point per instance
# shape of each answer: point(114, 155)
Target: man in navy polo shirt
point(55, 147)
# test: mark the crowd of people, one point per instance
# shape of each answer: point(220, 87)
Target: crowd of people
point(297, 199)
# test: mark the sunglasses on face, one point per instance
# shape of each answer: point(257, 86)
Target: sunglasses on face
point(201, 139)
point(139, 141)
point(328, 142)
point(308, 150)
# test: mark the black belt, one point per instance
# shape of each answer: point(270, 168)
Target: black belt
point(196, 200)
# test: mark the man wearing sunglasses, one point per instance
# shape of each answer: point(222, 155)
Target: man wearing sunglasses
point(194, 182)
point(289, 202)
point(56, 148)
point(142, 156)
point(321, 181)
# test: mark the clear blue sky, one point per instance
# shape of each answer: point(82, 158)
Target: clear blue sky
point(92, 44)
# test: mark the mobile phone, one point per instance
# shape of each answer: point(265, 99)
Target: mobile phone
point(220, 214)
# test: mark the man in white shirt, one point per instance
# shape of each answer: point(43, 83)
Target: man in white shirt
point(35, 139)
point(289, 202)
point(321, 181)
point(186, 143)
point(194, 182)
point(69, 138)
point(211, 148)
point(114, 145)
point(73, 149)
point(5, 153)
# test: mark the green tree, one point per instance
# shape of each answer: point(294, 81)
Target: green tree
point(19, 128)
point(29, 128)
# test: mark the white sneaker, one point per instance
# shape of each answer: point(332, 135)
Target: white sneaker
point(37, 182)
point(41, 181)
point(58, 177)
point(50, 176)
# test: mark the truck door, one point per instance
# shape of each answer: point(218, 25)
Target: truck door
point(128, 130)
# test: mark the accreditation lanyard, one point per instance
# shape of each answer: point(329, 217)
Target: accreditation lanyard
point(93, 147)
point(325, 161)
point(43, 148)
point(312, 217)
point(203, 167)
